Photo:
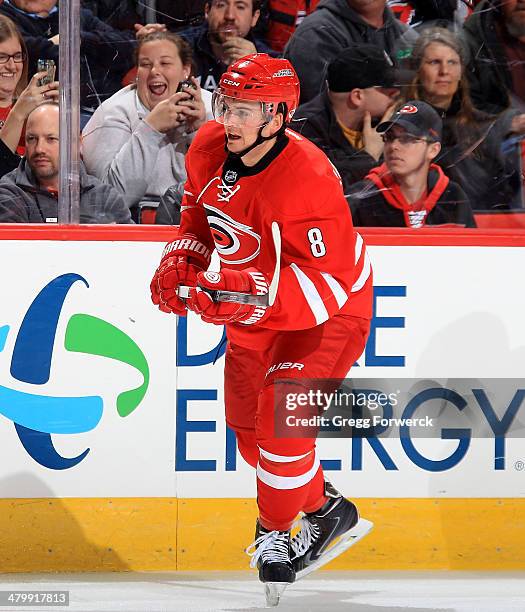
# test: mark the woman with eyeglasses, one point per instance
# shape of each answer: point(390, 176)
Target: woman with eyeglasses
point(479, 151)
point(17, 97)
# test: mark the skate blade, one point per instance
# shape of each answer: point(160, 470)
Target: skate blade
point(273, 592)
point(347, 540)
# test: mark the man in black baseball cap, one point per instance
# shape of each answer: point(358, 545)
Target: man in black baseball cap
point(417, 118)
point(362, 89)
point(408, 189)
point(361, 67)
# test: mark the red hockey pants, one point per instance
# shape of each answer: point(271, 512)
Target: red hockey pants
point(289, 476)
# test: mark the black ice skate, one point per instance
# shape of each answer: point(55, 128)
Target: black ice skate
point(326, 533)
point(271, 554)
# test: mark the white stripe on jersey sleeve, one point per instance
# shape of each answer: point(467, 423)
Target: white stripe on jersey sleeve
point(363, 277)
point(313, 299)
point(358, 247)
point(339, 293)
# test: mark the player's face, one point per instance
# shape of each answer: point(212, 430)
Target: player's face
point(10, 71)
point(440, 72)
point(159, 71)
point(514, 15)
point(242, 122)
point(35, 6)
point(229, 18)
point(42, 142)
point(407, 154)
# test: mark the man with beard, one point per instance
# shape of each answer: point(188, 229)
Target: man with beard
point(495, 35)
point(29, 194)
point(362, 89)
point(224, 37)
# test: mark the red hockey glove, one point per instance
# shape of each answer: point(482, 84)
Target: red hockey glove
point(181, 261)
point(242, 281)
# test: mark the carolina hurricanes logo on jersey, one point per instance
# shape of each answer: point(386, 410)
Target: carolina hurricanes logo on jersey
point(235, 242)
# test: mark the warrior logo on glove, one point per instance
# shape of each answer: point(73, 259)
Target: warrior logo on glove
point(240, 281)
point(212, 277)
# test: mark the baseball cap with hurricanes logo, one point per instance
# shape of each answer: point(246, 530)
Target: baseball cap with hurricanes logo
point(417, 118)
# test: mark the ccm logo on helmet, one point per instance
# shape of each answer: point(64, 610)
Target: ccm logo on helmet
point(284, 72)
point(229, 82)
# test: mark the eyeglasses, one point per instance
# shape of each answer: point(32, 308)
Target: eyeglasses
point(18, 58)
point(403, 139)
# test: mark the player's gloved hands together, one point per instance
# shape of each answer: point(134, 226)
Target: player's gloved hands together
point(240, 281)
point(181, 261)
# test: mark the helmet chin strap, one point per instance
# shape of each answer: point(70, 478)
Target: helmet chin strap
point(259, 140)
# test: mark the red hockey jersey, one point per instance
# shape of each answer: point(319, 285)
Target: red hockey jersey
point(284, 17)
point(325, 270)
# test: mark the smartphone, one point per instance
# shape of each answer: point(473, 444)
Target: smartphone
point(48, 66)
point(185, 85)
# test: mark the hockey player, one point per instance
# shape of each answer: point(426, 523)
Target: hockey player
point(246, 170)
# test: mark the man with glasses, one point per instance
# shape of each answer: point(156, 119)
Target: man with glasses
point(409, 190)
point(362, 90)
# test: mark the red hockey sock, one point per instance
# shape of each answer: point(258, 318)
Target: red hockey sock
point(316, 497)
point(283, 487)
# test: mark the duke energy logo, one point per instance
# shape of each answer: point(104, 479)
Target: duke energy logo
point(36, 416)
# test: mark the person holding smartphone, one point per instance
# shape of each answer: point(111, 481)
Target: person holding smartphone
point(137, 139)
point(17, 97)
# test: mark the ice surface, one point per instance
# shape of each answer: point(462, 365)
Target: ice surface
point(323, 591)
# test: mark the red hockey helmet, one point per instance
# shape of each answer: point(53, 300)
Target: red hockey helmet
point(259, 78)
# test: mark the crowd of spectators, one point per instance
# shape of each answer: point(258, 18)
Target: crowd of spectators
point(137, 140)
point(29, 193)
point(419, 104)
point(362, 89)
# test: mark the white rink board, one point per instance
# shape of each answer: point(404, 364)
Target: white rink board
point(463, 317)
point(131, 456)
